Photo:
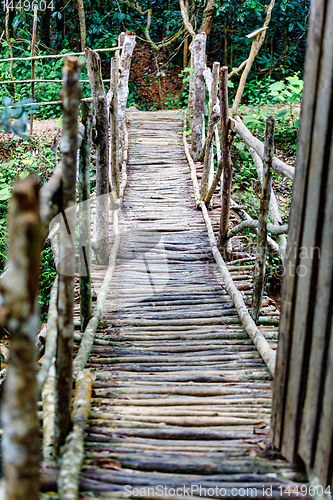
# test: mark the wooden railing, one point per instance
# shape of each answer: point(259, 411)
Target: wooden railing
point(200, 151)
point(31, 211)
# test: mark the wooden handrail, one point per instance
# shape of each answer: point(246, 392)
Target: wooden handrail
point(58, 194)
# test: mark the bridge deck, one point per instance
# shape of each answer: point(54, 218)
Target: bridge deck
point(181, 396)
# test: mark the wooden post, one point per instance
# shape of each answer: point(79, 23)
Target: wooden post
point(84, 214)
point(20, 443)
point(302, 407)
point(71, 94)
point(102, 156)
point(125, 64)
point(213, 118)
point(114, 125)
point(33, 44)
point(199, 51)
point(226, 162)
point(260, 262)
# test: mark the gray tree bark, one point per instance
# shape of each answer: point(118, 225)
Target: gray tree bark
point(198, 49)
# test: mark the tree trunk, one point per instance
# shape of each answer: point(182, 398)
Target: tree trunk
point(45, 34)
point(20, 444)
point(33, 44)
point(208, 17)
point(82, 19)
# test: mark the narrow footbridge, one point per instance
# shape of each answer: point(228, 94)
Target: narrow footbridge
point(156, 366)
point(181, 397)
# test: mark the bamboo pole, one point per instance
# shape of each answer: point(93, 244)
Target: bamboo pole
point(51, 337)
point(254, 224)
point(56, 56)
point(10, 47)
point(260, 262)
point(20, 444)
point(212, 120)
point(33, 44)
point(114, 125)
point(227, 166)
point(71, 461)
point(198, 50)
point(71, 94)
point(84, 217)
point(102, 156)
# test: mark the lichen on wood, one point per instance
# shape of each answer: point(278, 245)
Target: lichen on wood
point(198, 49)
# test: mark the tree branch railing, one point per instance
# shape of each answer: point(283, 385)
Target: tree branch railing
point(34, 211)
point(34, 81)
point(201, 154)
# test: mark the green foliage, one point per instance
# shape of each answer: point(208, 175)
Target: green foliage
point(281, 99)
point(50, 69)
point(171, 102)
point(274, 271)
point(47, 277)
point(28, 157)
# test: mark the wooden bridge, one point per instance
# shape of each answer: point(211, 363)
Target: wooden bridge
point(171, 343)
point(181, 395)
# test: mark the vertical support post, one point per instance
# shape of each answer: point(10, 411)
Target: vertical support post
point(84, 214)
point(114, 125)
point(20, 443)
point(71, 94)
point(102, 156)
point(125, 65)
point(199, 52)
point(33, 44)
point(213, 117)
point(226, 161)
point(260, 263)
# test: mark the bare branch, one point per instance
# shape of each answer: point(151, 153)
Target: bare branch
point(185, 17)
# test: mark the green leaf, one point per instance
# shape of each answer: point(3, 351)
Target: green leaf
point(4, 194)
point(24, 174)
point(277, 86)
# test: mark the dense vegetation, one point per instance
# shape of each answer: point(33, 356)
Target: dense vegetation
point(159, 75)
point(59, 31)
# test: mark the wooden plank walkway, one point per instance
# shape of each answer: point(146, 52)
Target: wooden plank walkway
point(181, 396)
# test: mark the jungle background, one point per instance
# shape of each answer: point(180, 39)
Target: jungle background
point(159, 79)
